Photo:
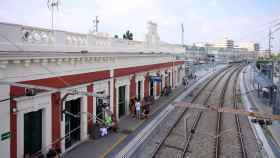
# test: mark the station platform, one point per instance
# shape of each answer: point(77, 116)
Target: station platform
point(262, 104)
point(129, 127)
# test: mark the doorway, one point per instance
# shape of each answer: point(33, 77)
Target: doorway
point(169, 79)
point(151, 88)
point(32, 132)
point(99, 108)
point(72, 122)
point(161, 87)
point(139, 90)
point(122, 100)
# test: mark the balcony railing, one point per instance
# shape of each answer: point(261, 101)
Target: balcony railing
point(25, 38)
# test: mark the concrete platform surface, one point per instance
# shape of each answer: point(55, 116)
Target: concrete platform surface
point(129, 127)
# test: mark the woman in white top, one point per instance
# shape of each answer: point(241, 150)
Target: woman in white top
point(138, 109)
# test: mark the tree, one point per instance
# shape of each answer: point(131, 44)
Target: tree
point(275, 56)
point(128, 35)
point(116, 36)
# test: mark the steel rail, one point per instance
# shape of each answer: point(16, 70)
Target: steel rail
point(185, 110)
point(237, 121)
point(219, 119)
point(197, 119)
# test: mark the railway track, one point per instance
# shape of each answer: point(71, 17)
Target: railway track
point(224, 123)
point(192, 133)
point(171, 132)
point(236, 138)
point(194, 129)
point(237, 121)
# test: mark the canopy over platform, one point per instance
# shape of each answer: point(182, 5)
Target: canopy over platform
point(263, 80)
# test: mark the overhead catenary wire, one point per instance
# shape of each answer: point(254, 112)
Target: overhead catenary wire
point(261, 28)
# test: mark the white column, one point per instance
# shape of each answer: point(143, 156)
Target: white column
point(112, 86)
point(156, 85)
point(142, 88)
point(163, 79)
point(117, 103)
point(127, 91)
point(62, 127)
point(84, 117)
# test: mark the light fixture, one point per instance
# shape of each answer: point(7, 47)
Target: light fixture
point(14, 110)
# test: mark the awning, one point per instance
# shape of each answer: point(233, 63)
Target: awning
point(263, 80)
point(155, 78)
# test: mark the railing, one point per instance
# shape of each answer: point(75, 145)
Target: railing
point(25, 38)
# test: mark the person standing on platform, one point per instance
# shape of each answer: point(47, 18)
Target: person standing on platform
point(138, 109)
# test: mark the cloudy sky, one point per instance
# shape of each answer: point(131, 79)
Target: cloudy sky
point(204, 20)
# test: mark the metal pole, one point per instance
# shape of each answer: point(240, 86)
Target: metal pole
point(52, 17)
point(96, 23)
point(182, 35)
point(269, 42)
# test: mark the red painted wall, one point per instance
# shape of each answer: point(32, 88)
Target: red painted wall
point(178, 62)
point(146, 85)
point(13, 129)
point(132, 89)
point(114, 103)
point(55, 97)
point(77, 79)
point(70, 80)
point(137, 69)
point(16, 91)
point(172, 74)
point(90, 106)
point(157, 89)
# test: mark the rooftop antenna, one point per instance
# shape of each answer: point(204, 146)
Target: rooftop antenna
point(270, 38)
point(95, 24)
point(51, 5)
point(182, 35)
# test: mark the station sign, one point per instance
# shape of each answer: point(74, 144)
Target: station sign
point(5, 135)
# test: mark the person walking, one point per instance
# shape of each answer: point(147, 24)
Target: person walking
point(138, 109)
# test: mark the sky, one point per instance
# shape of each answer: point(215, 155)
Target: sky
point(204, 20)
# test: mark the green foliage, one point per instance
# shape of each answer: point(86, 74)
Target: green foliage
point(275, 56)
point(259, 62)
point(128, 35)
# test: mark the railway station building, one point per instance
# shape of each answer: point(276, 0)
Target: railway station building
point(46, 74)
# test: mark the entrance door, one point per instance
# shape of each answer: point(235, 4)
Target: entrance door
point(169, 79)
point(99, 108)
point(121, 101)
point(161, 88)
point(139, 89)
point(32, 132)
point(72, 122)
point(151, 88)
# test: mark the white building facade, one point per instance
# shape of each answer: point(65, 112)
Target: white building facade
point(46, 78)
